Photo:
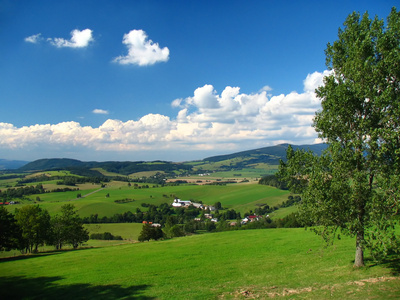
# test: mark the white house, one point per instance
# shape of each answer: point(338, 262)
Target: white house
point(181, 203)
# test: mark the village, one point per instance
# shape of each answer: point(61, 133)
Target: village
point(186, 203)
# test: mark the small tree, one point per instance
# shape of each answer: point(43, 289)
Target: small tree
point(145, 234)
point(150, 233)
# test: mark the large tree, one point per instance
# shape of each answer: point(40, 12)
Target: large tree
point(67, 228)
point(354, 185)
point(35, 226)
point(10, 233)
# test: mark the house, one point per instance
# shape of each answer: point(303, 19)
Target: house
point(181, 203)
point(252, 218)
point(198, 205)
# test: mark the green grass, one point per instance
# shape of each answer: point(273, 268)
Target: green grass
point(241, 197)
point(252, 263)
point(128, 231)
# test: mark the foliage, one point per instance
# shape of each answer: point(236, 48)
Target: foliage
point(150, 232)
point(104, 236)
point(272, 180)
point(67, 228)
point(353, 185)
point(10, 233)
point(20, 192)
point(35, 226)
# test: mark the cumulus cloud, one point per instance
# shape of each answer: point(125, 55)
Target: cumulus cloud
point(141, 50)
point(34, 39)
point(100, 111)
point(79, 39)
point(208, 120)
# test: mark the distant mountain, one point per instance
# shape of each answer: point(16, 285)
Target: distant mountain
point(6, 164)
point(271, 155)
point(53, 163)
point(123, 168)
point(244, 159)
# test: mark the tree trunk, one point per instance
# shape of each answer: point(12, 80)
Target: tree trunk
point(359, 259)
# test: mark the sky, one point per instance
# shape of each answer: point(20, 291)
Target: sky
point(162, 80)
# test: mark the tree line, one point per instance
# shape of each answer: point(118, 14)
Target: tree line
point(172, 228)
point(32, 226)
point(21, 192)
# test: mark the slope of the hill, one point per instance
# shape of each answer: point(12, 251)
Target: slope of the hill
point(248, 264)
point(270, 155)
point(244, 159)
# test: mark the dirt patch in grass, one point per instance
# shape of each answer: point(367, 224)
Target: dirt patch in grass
point(274, 291)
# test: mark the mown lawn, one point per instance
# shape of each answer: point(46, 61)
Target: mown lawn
point(288, 263)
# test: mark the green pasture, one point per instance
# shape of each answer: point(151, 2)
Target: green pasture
point(128, 231)
point(280, 263)
point(241, 197)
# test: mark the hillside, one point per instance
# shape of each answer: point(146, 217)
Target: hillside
point(235, 161)
point(6, 164)
point(276, 263)
point(270, 155)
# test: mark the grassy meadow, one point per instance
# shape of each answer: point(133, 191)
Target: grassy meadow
point(280, 263)
point(242, 197)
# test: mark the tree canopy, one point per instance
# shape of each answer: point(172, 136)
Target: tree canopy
point(353, 186)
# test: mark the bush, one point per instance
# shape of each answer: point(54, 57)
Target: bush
point(105, 236)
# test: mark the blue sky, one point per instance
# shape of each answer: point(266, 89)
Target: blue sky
point(169, 80)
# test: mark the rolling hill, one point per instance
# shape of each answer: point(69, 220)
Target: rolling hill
point(6, 164)
point(235, 161)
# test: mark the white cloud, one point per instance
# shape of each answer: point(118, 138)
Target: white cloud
point(34, 39)
point(315, 80)
point(79, 39)
point(141, 51)
point(225, 122)
point(100, 111)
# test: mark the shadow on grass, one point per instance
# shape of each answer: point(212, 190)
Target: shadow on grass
point(44, 253)
point(27, 256)
point(392, 263)
point(18, 287)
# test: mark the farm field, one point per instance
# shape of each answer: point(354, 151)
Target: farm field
point(241, 197)
point(288, 263)
point(128, 231)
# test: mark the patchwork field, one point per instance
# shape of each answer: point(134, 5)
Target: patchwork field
point(242, 197)
point(288, 263)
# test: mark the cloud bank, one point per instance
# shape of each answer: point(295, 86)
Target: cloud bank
point(207, 121)
point(141, 50)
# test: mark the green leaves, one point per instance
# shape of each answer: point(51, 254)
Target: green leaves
point(354, 184)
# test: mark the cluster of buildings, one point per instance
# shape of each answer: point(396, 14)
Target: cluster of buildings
point(8, 203)
point(186, 203)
